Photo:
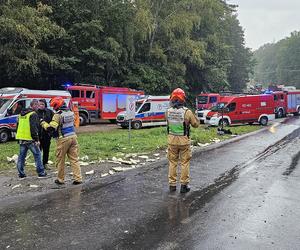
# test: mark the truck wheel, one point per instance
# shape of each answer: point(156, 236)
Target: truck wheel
point(4, 135)
point(263, 121)
point(280, 113)
point(83, 119)
point(224, 121)
point(137, 125)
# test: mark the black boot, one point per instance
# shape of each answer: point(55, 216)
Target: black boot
point(172, 188)
point(184, 189)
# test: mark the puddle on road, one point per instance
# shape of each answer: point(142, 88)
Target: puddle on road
point(176, 210)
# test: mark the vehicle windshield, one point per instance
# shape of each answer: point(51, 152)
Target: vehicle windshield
point(219, 106)
point(202, 99)
point(138, 105)
point(4, 104)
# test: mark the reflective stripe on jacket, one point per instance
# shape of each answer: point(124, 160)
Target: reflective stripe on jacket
point(176, 124)
point(24, 132)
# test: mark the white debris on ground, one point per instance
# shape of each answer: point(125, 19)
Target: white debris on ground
point(216, 140)
point(121, 169)
point(13, 159)
point(90, 172)
point(111, 172)
point(84, 158)
point(81, 163)
point(16, 186)
point(143, 156)
point(33, 186)
point(203, 144)
point(105, 174)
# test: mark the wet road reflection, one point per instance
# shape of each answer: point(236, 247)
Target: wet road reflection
point(134, 210)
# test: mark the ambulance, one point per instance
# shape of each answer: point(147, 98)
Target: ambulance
point(150, 112)
point(13, 100)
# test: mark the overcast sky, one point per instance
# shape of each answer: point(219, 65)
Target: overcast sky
point(266, 21)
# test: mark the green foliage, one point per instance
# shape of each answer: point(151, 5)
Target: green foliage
point(279, 63)
point(152, 45)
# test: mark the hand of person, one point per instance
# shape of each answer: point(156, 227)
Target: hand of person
point(37, 143)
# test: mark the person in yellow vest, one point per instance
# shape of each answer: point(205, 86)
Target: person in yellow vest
point(62, 127)
point(76, 115)
point(28, 137)
point(179, 119)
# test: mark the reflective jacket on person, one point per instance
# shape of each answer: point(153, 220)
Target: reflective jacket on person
point(28, 126)
point(62, 123)
point(179, 121)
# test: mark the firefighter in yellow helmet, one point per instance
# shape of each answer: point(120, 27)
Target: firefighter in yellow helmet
point(179, 119)
point(62, 127)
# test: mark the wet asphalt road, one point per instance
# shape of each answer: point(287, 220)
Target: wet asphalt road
point(245, 195)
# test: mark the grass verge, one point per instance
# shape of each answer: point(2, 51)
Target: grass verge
point(108, 144)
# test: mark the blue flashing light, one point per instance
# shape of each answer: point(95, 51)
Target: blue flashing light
point(67, 84)
point(268, 92)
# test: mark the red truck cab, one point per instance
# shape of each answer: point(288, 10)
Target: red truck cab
point(206, 101)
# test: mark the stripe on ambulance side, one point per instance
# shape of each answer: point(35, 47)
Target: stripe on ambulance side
point(152, 115)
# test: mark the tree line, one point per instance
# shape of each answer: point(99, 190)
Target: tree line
point(151, 45)
point(279, 63)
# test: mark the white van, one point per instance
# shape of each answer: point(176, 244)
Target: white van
point(150, 111)
point(13, 100)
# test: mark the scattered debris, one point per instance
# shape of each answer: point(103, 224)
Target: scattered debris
point(81, 163)
point(90, 172)
point(33, 186)
point(156, 154)
point(120, 169)
point(216, 140)
point(84, 158)
point(111, 172)
point(143, 156)
point(13, 159)
point(202, 144)
point(103, 175)
point(16, 186)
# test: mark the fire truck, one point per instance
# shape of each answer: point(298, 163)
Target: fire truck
point(243, 109)
point(100, 102)
point(286, 102)
point(13, 100)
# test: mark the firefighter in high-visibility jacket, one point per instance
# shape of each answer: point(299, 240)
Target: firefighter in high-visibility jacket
point(62, 127)
point(179, 119)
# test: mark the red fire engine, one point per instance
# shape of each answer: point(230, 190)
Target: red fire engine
point(243, 109)
point(100, 102)
point(286, 102)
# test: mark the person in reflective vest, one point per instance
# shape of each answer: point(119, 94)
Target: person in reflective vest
point(28, 137)
point(62, 127)
point(179, 119)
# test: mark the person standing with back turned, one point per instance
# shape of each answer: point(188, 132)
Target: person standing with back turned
point(179, 119)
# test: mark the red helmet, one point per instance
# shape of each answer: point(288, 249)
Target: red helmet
point(57, 102)
point(178, 94)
